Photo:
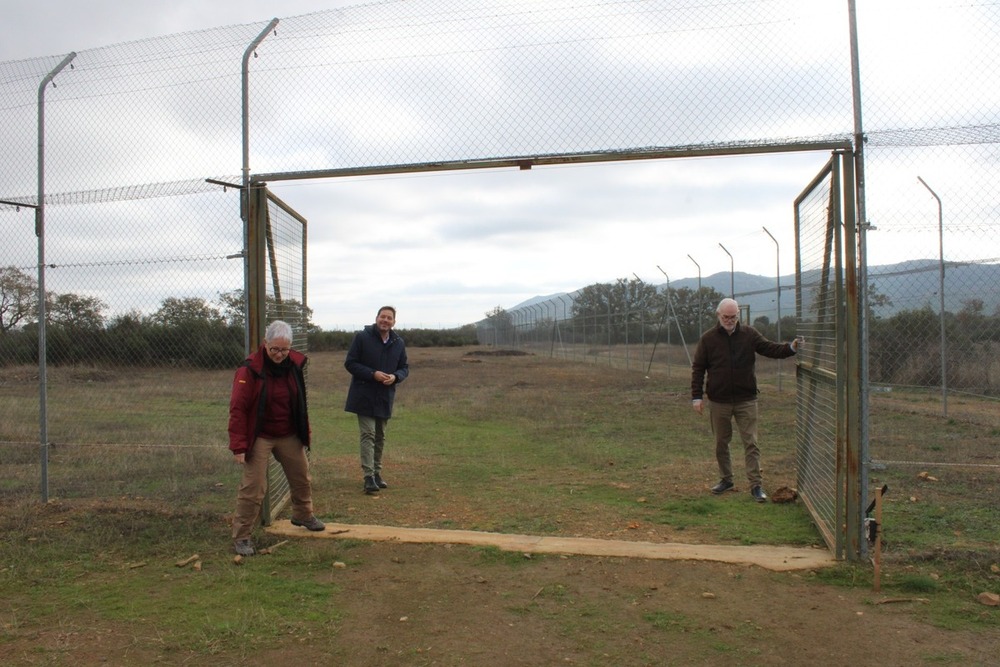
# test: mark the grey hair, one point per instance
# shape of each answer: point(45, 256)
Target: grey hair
point(278, 329)
point(725, 302)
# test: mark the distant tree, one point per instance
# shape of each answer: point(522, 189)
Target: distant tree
point(789, 327)
point(971, 323)
point(877, 300)
point(18, 298)
point(614, 302)
point(903, 348)
point(74, 311)
point(440, 337)
point(639, 300)
point(322, 341)
point(291, 311)
point(127, 323)
point(605, 309)
point(592, 310)
point(233, 310)
point(972, 307)
point(764, 326)
point(178, 312)
point(593, 301)
point(695, 309)
point(499, 329)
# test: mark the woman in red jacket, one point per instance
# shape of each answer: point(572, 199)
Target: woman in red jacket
point(268, 415)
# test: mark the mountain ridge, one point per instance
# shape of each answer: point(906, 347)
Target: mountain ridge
point(908, 285)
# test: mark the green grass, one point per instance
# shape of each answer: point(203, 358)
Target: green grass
point(119, 567)
point(745, 522)
point(943, 591)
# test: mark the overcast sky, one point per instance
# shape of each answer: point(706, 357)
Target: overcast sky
point(445, 248)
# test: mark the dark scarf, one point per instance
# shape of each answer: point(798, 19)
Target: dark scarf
point(277, 370)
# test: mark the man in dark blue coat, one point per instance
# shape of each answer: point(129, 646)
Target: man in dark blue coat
point(377, 363)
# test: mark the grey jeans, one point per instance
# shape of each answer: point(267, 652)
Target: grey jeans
point(372, 443)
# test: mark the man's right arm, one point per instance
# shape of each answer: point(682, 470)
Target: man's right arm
point(353, 363)
point(698, 368)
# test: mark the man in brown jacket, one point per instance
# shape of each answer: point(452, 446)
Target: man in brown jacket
point(727, 354)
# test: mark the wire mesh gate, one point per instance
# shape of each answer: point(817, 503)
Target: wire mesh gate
point(276, 285)
point(827, 409)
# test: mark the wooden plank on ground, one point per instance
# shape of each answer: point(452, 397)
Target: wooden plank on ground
point(777, 558)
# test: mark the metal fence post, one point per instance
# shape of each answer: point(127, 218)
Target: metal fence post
point(944, 340)
point(777, 269)
point(43, 428)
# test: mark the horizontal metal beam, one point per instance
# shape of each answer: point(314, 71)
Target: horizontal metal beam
point(17, 204)
point(528, 161)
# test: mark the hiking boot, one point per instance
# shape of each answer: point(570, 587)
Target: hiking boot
point(312, 523)
point(379, 482)
point(722, 487)
point(371, 486)
point(244, 547)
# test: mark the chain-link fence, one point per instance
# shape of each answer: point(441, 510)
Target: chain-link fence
point(931, 122)
point(284, 273)
point(136, 240)
point(820, 313)
point(143, 310)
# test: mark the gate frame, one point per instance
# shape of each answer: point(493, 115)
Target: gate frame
point(845, 536)
point(259, 256)
point(850, 442)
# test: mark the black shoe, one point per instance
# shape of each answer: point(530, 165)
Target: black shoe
point(379, 482)
point(758, 494)
point(371, 486)
point(722, 487)
point(312, 523)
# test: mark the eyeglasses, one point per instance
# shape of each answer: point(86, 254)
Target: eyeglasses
point(278, 350)
point(729, 318)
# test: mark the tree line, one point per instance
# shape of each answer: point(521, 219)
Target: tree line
point(620, 312)
point(904, 348)
point(183, 331)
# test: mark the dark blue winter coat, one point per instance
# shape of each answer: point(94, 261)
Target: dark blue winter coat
point(368, 354)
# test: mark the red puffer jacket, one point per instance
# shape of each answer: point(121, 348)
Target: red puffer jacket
point(246, 403)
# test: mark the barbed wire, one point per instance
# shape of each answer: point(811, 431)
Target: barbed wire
point(937, 136)
point(113, 445)
point(144, 262)
point(933, 464)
